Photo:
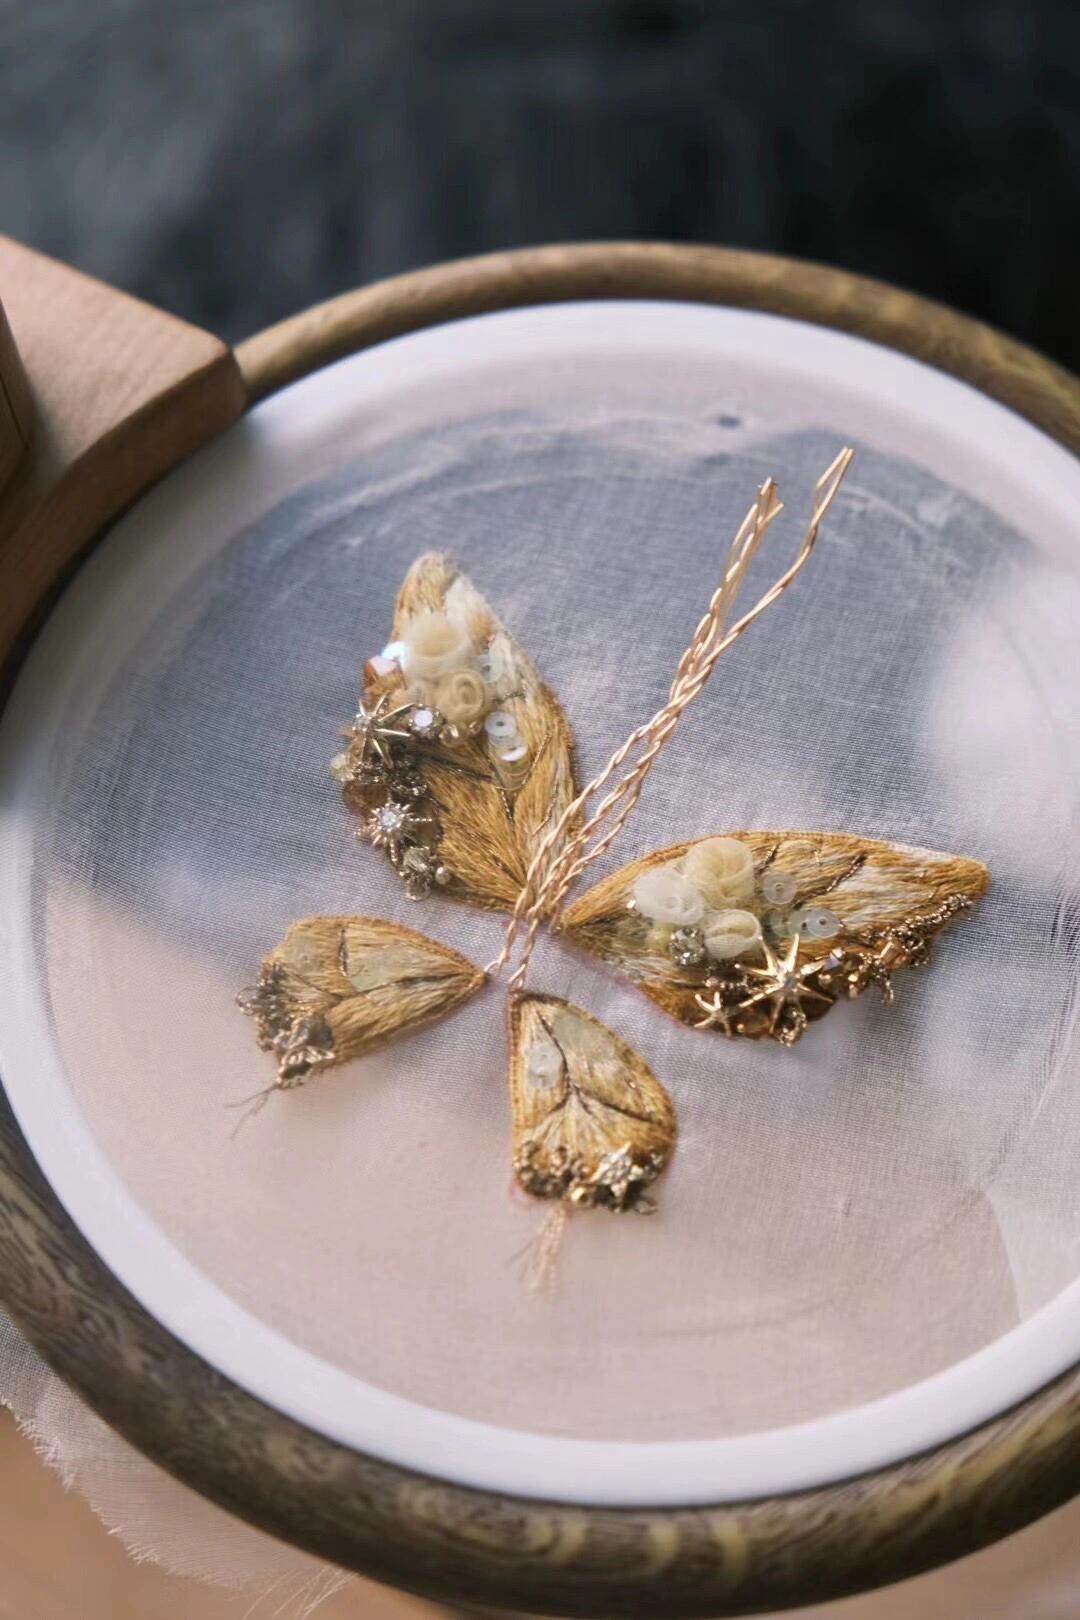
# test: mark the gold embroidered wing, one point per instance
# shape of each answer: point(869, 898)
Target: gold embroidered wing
point(760, 933)
point(338, 987)
point(460, 759)
point(592, 1125)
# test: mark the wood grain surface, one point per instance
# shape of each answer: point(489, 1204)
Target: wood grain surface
point(990, 361)
point(15, 408)
point(120, 393)
point(464, 1546)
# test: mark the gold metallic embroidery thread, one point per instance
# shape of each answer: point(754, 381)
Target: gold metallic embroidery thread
point(459, 766)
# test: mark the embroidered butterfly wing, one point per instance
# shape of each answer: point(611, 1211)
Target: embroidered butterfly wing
point(592, 1124)
point(338, 987)
point(758, 934)
point(460, 759)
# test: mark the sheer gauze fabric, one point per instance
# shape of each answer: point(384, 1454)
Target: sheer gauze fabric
point(840, 1220)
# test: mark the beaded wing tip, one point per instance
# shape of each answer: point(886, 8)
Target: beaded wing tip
point(759, 934)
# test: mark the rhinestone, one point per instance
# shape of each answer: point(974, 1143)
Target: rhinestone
point(511, 755)
point(778, 888)
point(686, 946)
point(391, 818)
point(500, 726)
point(423, 722)
point(409, 785)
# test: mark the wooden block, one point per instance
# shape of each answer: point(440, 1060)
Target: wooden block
point(15, 411)
point(119, 393)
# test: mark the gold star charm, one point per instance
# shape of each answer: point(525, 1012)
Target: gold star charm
point(393, 825)
point(373, 731)
point(786, 985)
point(717, 1015)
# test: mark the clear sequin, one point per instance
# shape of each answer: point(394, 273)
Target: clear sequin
point(818, 922)
point(394, 652)
point(780, 924)
point(513, 754)
point(500, 726)
point(779, 888)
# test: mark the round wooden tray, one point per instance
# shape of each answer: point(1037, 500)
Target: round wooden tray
point(443, 1540)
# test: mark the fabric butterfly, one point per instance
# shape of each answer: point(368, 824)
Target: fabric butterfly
point(459, 767)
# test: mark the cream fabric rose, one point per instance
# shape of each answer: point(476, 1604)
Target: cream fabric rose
point(433, 647)
point(723, 870)
point(731, 934)
point(665, 895)
point(461, 697)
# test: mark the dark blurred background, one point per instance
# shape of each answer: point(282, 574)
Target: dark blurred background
point(234, 161)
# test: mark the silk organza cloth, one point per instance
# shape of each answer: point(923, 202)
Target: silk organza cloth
point(839, 1221)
